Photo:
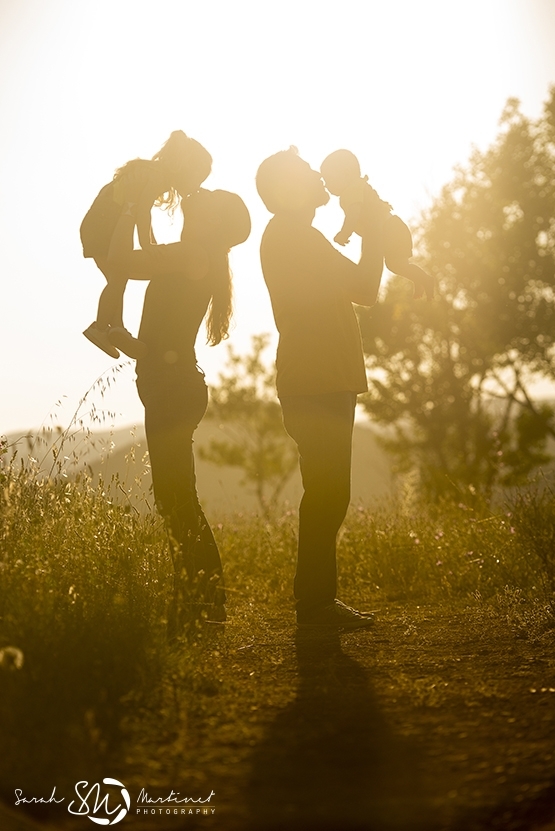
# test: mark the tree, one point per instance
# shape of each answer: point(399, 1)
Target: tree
point(254, 438)
point(454, 377)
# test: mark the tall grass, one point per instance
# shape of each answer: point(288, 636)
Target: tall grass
point(83, 599)
point(453, 550)
point(86, 585)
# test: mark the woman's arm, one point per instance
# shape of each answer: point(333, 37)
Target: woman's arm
point(144, 228)
point(189, 259)
point(151, 191)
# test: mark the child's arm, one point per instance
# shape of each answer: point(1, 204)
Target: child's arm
point(352, 216)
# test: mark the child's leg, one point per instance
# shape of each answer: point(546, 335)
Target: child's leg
point(108, 332)
point(110, 314)
point(423, 282)
point(110, 304)
point(398, 252)
point(110, 296)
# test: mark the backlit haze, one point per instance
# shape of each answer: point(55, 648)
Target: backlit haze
point(86, 85)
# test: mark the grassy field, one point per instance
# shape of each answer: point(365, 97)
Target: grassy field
point(121, 453)
point(440, 717)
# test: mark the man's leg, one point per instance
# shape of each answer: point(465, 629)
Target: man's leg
point(322, 426)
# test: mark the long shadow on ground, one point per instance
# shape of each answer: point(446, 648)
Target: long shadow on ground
point(535, 814)
point(329, 761)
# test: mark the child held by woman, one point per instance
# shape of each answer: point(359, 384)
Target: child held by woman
point(177, 170)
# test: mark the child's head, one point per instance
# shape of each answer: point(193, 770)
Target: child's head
point(218, 216)
point(188, 163)
point(340, 170)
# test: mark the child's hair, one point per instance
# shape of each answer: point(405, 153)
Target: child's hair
point(177, 153)
point(341, 163)
point(180, 152)
point(233, 226)
point(169, 200)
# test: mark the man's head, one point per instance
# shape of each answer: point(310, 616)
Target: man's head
point(286, 183)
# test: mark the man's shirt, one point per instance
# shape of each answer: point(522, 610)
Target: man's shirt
point(320, 347)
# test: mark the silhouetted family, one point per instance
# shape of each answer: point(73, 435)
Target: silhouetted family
point(320, 362)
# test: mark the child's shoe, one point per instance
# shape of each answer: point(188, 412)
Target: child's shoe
point(100, 338)
point(126, 343)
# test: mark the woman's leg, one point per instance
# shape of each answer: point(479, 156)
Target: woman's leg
point(171, 417)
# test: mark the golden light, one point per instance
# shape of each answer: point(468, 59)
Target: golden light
point(86, 86)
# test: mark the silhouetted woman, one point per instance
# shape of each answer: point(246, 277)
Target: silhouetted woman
point(188, 280)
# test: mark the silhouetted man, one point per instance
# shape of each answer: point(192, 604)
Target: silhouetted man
point(320, 368)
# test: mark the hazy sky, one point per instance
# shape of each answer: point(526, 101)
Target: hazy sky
point(86, 85)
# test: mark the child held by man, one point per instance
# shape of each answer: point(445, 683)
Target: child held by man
point(362, 205)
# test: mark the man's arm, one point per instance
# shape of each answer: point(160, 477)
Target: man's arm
point(362, 279)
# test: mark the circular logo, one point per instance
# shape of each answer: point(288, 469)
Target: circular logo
point(123, 812)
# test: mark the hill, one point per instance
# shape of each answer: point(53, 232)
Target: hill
point(120, 456)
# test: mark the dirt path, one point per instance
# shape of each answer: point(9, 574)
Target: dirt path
point(434, 720)
point(431, 721)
